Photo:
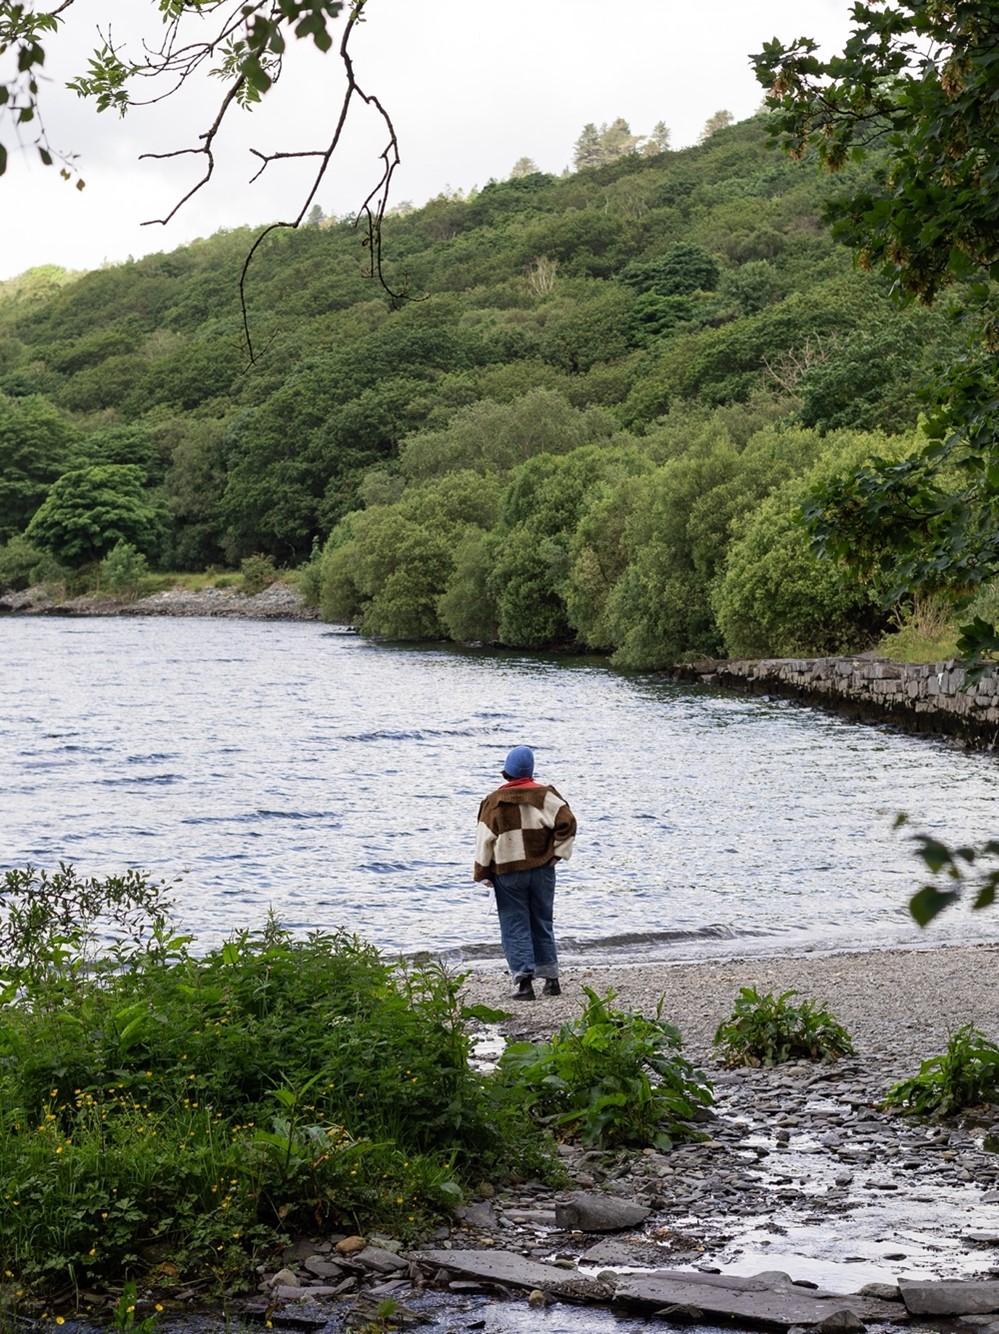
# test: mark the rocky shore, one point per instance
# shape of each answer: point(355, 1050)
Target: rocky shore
point(808, 1205)
point(279, 602)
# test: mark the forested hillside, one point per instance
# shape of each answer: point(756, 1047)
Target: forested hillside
point(587, 417)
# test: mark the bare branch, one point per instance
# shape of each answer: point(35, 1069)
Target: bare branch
point(206, 149)
point(373, 207)
point(787, 368)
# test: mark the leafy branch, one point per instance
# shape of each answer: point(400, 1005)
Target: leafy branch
point(245, 50)
point(967, 870)
point(919, 81)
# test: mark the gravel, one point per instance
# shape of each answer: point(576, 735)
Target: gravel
point(902, 1004)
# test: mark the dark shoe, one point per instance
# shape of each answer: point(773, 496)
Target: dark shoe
point(551, 987)
point(524, 990)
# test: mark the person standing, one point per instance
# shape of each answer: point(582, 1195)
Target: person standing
point(524, 829)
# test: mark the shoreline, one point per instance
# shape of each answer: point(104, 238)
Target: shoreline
point(898, 1004)
point(805, 1172)
point(278, 602)
point(928, 700)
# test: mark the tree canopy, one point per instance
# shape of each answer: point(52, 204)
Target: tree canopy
point(914, 94)
point(599, 416)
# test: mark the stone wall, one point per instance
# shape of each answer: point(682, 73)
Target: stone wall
point(920, 697)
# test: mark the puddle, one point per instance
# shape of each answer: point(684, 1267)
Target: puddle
point(844, 1276)
point(870, 1238)
point(487, 1047)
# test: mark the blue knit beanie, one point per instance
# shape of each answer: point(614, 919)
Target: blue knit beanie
point(519, 763)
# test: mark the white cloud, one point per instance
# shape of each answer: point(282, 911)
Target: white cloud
point(471, 87)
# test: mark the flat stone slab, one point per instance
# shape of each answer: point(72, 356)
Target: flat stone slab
point(516, 1271)
point(770, 1300)
point(949, 1296)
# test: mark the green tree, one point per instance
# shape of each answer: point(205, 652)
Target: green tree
point(122, 444)
point(617, 140)
point(586, 151)
point(494, 437)
point(919, 77)
point(598, 147)
point(599, 553)
point(36, 442)
point(524, 166)
point(682, 268)
point(658, 141)
point(665, 543)
point(467, 607)
point(88, 511)
point(916, 86)
point(122, 568)
point(585, 332)
point(193, 489)
point(525, 580)
point(775, 597)
point(385, 573)
point(719, 121)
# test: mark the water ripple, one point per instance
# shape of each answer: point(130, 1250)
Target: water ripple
point(301, 770)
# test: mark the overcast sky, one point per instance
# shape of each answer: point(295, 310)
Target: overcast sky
point(471, 87)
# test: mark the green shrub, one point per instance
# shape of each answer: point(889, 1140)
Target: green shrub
point(309, 581)
point(122, 568)
point(22, 565)
point(258, 572)
point(768, 1030)
point(18, 561)
point(611, 1077)
point(153, 1102)
point(964, 1076)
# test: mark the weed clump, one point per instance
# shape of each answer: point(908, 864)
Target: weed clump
point(965, 1076)
point(611, 1078)
point(769, 1030)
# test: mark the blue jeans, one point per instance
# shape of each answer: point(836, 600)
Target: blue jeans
point(525, 901)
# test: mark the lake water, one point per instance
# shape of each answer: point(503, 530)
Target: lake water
point(294, 767)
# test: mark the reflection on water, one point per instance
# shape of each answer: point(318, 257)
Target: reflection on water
point(295, 767)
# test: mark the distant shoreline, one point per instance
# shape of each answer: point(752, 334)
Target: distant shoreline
point(278, 602)
point(924, 699)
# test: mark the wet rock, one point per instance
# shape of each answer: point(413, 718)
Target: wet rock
point(771, 1300)
point(598, 1213)
point(885, 1292)
point(632, 1254)
point(479, 1213)
point(290, 1292)
point(514, 1271)
point(842, 1320)
point(547, 1218)
point(379, 1260)
point(949, 1297)
point(322, 1268)
point(284, 1278)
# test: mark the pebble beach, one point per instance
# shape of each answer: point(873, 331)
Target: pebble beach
point(804, 1169)
point(897, 1005)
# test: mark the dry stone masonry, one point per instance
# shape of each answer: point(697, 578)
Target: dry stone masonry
point(920, 697)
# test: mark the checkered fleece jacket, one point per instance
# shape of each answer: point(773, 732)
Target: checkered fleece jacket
point(522, 826)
